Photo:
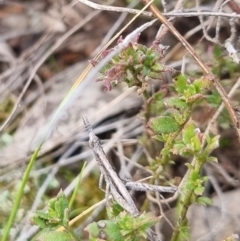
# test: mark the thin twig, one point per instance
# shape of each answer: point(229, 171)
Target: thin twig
point(163, 29)
point(113, 29)
point(183, 13)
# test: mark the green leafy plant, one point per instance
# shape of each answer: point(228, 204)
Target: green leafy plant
point(56, 215)
point(168, 117)
point(121, 226)
point(136, 66)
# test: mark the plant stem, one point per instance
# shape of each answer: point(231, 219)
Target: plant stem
point(185, 201)
point(20, 194)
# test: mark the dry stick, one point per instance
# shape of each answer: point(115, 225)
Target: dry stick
point(117, 188)
point(209, 74)
point(142, 187)
point(165, 30)
point(207, 37)
point(149, 14)
point(177, 47)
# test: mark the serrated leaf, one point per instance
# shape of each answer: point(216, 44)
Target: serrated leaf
point(195, 175)
point(114, 210)
point(214, 99)
point(196, 143)
point(188, 133)
point(190, 91)
point(54, 236)
point(39, 222)
point(190, 185)
point(181, 83)
point(199, 190)
point(158, 67)
point(164, 125)
point(42, 214)
point(61, 204)
point(202, 84)
point(51, 204)
point(212, 144)
point(177, 103)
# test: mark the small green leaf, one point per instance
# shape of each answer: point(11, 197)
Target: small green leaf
point(42, 214)
point(164, 125)
point(188, 133)
point(114, 210)
point(212, 159)
point(61, 204)
point(212, 144)
point(190, 185)
point(196, 143)
point(204, 201)
point(184, 233)
point(190, 91)
point(202, 84)
point(176, 103)
point(181, 83)
point(214, 99)
point(199, 190)
point(158, 67)
point(146, 70)
point(39, 222)
point(195, 175)
point(180, 117)
point(54, 236)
